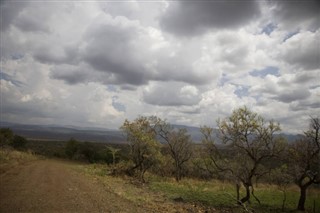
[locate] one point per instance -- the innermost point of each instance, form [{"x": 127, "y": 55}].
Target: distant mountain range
[
  {"x": 91, "y": 134},
  {"x": 53, "y": 132}
]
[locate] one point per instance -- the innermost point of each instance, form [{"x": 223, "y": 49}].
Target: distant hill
[
  {"x": 49, "y": 132},
  {"x": 55, "y": 132}
]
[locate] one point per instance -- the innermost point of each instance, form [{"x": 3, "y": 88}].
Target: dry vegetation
[
  {"x": 165, "y": 194},
  {"x": 161, "y": 170},
  {"x": 10, "y": 158},
  {"x": 162, "y": 194}
]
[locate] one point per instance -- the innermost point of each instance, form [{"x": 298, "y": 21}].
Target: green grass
[
  {"x": 196, "y": 191},
  {"x": 218, "y": 194},
  {"x": 214, "y": 193}
]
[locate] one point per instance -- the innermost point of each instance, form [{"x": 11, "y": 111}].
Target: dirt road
[{"x": 52, "y": 186}]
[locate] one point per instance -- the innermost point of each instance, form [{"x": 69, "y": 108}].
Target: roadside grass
[
  {"x": 163, "y": 194},
  {"x": 123, "y": 186},
  {"x": 209, "y": 193},
  {"x": 10, "y": 158},
  {"x": 8, "y": 155},
  {"x": 220, "y": 194},
  {"x": 128, "y": 188}
]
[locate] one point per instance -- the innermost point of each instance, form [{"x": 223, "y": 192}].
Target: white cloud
[{"x": 87, "y": 63}]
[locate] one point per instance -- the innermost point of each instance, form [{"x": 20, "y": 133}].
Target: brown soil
[
  {"x": 52, "y": 186},
  {"x": 56, "y": 186}
]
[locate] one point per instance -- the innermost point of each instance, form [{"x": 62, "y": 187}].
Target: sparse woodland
[{"x": 249, "y": 151}]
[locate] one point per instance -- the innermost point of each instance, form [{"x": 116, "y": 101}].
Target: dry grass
[{"x": 10, "y": 158}]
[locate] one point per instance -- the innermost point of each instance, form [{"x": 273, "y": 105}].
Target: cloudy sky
[{"x": 95, "y": 64}]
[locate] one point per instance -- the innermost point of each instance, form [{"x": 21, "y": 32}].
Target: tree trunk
[
  {"x": 247, "y": 197},
  {"x": 178, "y": 172},
  {"x": 238, "y": 193},
  {"x": 253, "y": 195},
  {"x": 177, "y": 176},
  {"x": 284, "y": 200},
  {"x": 302, "y": 199}
]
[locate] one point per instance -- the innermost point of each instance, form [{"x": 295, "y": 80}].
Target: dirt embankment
[{"x": 51, "y": 186}]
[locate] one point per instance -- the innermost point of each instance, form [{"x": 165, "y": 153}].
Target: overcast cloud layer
[{"x": 190, "y": 62}]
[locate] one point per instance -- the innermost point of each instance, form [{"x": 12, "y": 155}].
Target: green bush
[
  {"x": 6, "y": 136},
  {"x": 72, "y": 148},
  {"x": 19, "y": 142}
]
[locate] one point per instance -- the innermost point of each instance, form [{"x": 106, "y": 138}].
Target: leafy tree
[
  {"x": 178, "y": 142},
  {"x": 7, "y": 137},
  {"x": 144, "y": 148},
  {"x": 19, "y": 142},
  {"x": 71, "y": 148},
  {"x": 180, "y": 149},
  {"x": 305, "y": 160},
  {"x": 251, "y": 142},
  {"x": 87, "y": 150}
]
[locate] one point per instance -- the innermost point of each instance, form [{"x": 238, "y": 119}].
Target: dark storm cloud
[
  {"x": 30, "y": 109},
  {"x": 48, "y": 54},
  {"x": 303, "y": 105},
  {"x": 111, "y": 48},
  {"x": 292, "y": 13},
  {"x": 179, "y": 68},
  {"x": 189, "y": 18},
  {"x": 306, "y": 77},
  {"x": 308, "y": 60},
  {"x": 123, "y": 50},
  {"x": 293, "y": 95},
  {"x": 303, "y": 54},
  {"x": 31, "y": 23},
  {"x": 9, "y": 11},
  {"x": 69, "y": 74}
]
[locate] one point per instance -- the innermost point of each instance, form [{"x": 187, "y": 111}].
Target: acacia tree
[
  {"x": 179, "y": 143},
  {"x": 305, "y": 160},
  {"x": 144, "y": 148},
  {"x": 71, "y": 148},
  {"x": 251, "y": 142}
]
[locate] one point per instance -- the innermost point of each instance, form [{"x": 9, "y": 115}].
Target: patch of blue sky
[
  {"x": 17, "y": 56},
  {"x": 314, "y": 87},
  {"x": 269, "y": 28},
  {"x": 6, "y": 77},
  {"x": 242, "y": 91},
  {"x": 270, "y": 70},
  {"x": 223, "y": 79},
  {"x": 289, "y": 35},
  {"x": 117, "y": 105},
  {"x": 111, "y": 88}
]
